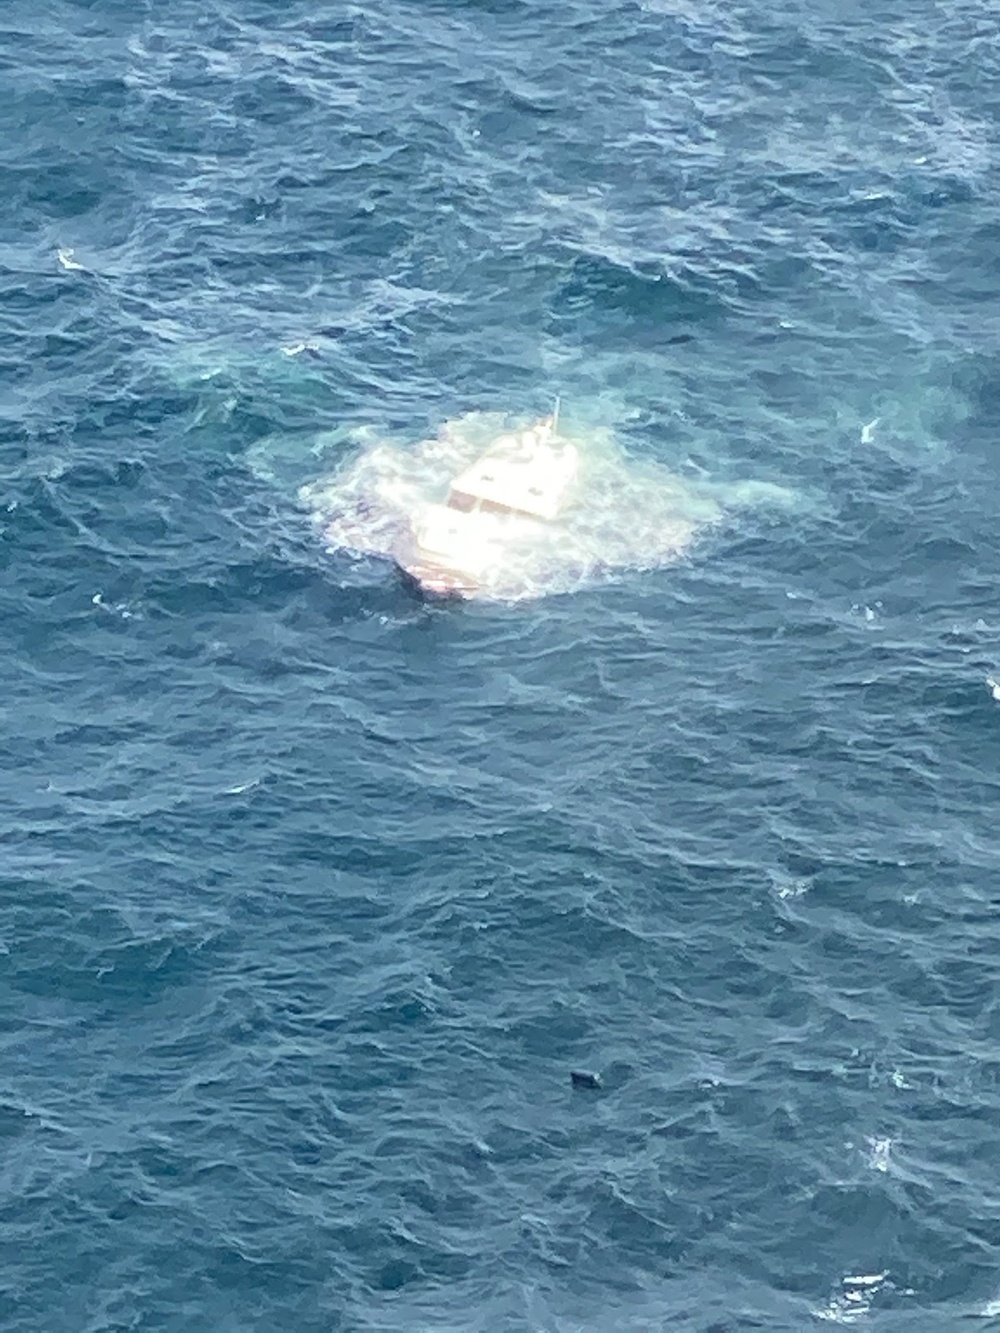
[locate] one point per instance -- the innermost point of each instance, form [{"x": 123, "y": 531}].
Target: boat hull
[{"x": 435, "y": 581}]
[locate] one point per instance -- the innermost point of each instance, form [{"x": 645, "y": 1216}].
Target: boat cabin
[{"x": 522, "y": 473}]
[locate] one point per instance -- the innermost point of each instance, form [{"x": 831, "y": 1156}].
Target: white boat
[{"x": 505, "y": 499}]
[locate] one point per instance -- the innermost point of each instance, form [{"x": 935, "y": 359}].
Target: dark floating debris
[{"x": 581, "y": 1078}]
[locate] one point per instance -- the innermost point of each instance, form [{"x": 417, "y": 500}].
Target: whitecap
[
  {"x": 296, "y": 349},
  {"x": 120, "y": 609},
  {"x": 878, "y": 1158}
]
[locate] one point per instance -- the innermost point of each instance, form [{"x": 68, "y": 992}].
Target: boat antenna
[{"x": 555, "y": 417}]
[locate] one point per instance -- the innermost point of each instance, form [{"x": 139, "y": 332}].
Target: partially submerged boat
[
  {"x": 507, "y": 498},
  {"x": 485, "y": 512}
]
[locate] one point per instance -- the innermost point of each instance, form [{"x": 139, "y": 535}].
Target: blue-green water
[{"x": 313, "y": 893}]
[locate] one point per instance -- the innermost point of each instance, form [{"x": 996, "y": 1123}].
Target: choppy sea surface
[{"x": 313, "y": 893}]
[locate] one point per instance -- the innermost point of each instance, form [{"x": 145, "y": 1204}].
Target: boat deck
[{"x": 519, "y": 474}]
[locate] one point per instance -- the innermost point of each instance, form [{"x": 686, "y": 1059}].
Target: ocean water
[{"x": 315, "y": 893}]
